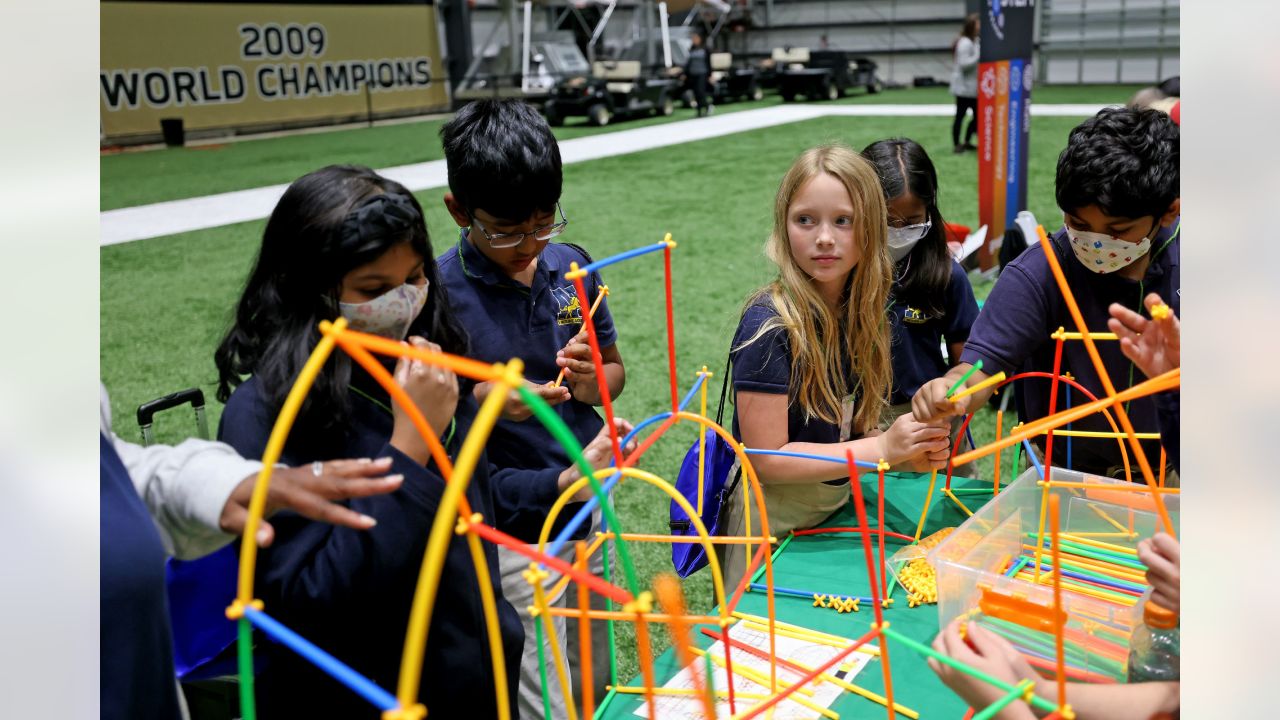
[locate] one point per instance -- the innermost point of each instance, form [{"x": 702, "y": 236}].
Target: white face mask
[
  {"x": 1103, "y": 253},
  {"x": 903, "y": 239},
  {"x": 389, "y": 314}
]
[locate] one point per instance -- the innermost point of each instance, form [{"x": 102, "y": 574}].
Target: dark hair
[
  {"x": 1171, "y": 87},
  {"x": 904, "y": 166},
  {"x": 502, "y": 159},
  {"x": 326, "y": 224},
  {"x": 1124, "y": 160},
  {"x": 972, "y": 26}
]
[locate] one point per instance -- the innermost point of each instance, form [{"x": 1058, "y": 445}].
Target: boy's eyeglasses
[{"x": 499, "y": 241}]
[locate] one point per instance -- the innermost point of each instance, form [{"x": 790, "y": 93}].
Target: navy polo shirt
[
  {"x": 917, "y": 336},
  {"x": 764, "y": 366},
  {"x": 1025, "y": 307},
  {"x": 506, "y": 319}
]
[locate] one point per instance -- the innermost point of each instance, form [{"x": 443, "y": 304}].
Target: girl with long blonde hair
[{"x": 811, "y": 368}]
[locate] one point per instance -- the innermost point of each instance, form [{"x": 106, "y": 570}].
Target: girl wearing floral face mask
[
  {"x": 346, "y": 242},
  {"x": 932, "y": 303}
]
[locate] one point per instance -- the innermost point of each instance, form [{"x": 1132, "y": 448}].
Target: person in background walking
[
  {"x": 964, "y": 83},
  {"x": 696, "y": 70}
]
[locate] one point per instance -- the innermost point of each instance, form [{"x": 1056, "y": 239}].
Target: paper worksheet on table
[{"x": 751, "y": 677}]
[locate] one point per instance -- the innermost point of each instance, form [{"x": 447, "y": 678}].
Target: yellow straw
[
  {"x": 271, "y": 455},
  {"x": 442, "y": 529},
  {"x": 993, "y": 380}
]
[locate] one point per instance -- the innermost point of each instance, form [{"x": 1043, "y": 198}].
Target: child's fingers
[
  {"x": 580, "y": 367},
  {"x": 1167, "y": 546}
]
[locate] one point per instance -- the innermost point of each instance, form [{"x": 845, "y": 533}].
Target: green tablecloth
[{"x": 836, "y": 564}]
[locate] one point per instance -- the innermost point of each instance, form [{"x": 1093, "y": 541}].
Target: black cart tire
[
  {"x": 599, "y": 114},
  {"x": 833, "y": 92},
  {"x": 554, "y": 118},
  {"x": 756, "y": 93},
  {"x": 666, "y": 106},
  {"x": 874, "y": 87},
  {"x": 788, "y": 97}
]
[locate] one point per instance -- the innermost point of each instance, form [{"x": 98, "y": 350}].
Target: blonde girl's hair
[{"x": 859, "y": 330}]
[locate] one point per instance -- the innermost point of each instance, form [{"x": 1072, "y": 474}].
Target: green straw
[
  {"x": 604, "y": 704},
  {"x": 971, "y": 491},
  {"x": 613, "y": 644},
  {"x": 997, "y": 706},
  {"x": 925, "y": 650},
  {"x": 542, "y": 669},
  {"x": 976, "y": 367},
  {"x": 1078, "y": 654},
  {"x": 1093, "y": 553},
  {"x": 565, "y": 436},
  {"x": 244, "y": 658},
  {"x": 781, "y": 546}
]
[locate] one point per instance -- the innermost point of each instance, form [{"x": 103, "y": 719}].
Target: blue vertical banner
[
  {"x": 1015, "y": 179},
  {"x": 1004, "y": 116}
]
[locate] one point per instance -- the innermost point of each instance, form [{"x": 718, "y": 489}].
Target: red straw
[
  {"x": 598, "y": 361},
  {"x": 494, "y": 535},
  {"x": 861, "y": 509},
  {"x": 808, "y": 677}
]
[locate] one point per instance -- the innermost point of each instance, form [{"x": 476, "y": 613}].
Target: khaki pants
[
  {"x": 519, "y": 593},
  {"x": 791, "y": 507},
  {"x": 893, "y": 412}
]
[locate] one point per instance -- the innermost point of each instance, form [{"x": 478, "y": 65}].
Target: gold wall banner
[{"x": 245, "y": 65}]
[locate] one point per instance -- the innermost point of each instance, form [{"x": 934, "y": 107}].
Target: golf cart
[
  {"x": 615, "y": 89},
  {"x": 726, "y": 82},
  {"x": 824, "y": 74}
]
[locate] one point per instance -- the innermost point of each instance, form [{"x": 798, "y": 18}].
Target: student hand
[
  {"x": 515, "y": 410},
  {"x": 1152, "y": 345},
  {"x": 930, "y": 401},
  {"x": 598, "y": 452},
  {"x": 989, "y": 653},
  {"x": 579, "y": 370},
  {"x": 312, "y": 494},
  {"x": 434, "y": 390},
  {"x": 925, "y": 445},
  {"x": 1161, "y": 554}
]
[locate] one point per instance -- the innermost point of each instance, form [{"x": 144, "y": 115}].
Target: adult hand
[
  {"x": 1152, "y": 345},
  {"x": 989, "y": 653},
  {"x": 1162, "y": 556},
  {"x": 598, "y": 453},
  {"x": 923, "y": 445},
  {"x": 312, "y": 493},
  {"x": 434, "y": 390}
]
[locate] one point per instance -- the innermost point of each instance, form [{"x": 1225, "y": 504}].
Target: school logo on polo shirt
[
  {"x": 914, "y": 316},
  {"x": 568, "y": 309}
]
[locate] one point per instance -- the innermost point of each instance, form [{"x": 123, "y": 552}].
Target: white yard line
[{"x": 176, "y": 216}]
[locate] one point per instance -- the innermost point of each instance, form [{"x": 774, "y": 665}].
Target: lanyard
[{"x": 453, "y": 421}]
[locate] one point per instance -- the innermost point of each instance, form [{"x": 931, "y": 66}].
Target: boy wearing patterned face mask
[{"x": 1117, "y": 185}]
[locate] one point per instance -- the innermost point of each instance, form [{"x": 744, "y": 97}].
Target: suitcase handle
[{"x": 148, "y": 410}]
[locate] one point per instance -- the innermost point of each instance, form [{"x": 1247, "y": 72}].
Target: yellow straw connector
[
  {"x": 464, "y": 523},
  {"x": 669, "y": 242},
  {"x": 235, "y": 610},
  {"x": 417, "y": 711}
]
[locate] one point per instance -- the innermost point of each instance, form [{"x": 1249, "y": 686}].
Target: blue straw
[
  {"x": 805, "y": 593},
  {"x": 807, "y": 456},
  {"x": 1016, "y": 567},
  {"x": 1032, "y": 455},
  {"x": 364, "y": 687},
  {"x": 605, "y": 262},
  {"x": 1117, "y": 584}
]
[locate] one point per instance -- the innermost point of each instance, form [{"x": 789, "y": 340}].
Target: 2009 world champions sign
[
  {"x": 1004, "y": 115},
  {"x": 241, "y": 65}
]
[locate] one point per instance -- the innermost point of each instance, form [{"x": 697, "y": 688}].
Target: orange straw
[
  {"x": 672, "y": 600},
  {"x": 1096, "y": 359}
]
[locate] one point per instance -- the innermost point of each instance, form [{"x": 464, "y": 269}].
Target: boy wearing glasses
[{"x": 505, "y": 280}]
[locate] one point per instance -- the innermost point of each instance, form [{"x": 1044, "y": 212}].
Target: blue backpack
[{"x": 717, "y": 486}]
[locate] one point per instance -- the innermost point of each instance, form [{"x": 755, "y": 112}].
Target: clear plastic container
[{"x": 973, "y": 562}]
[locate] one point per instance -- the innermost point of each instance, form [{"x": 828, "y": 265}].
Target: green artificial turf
[
  {"x": 165, "y": 302},
  {"x": 139, "y": 178}
]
